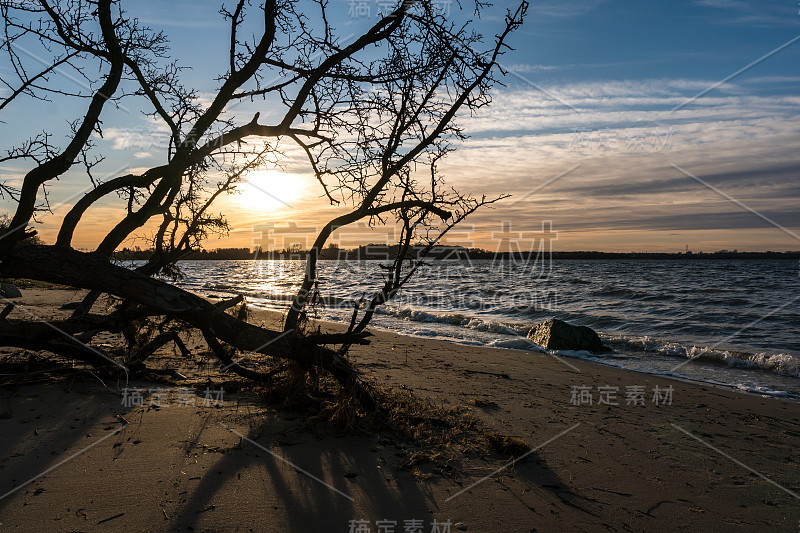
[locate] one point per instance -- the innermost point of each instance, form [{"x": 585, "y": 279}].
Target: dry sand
[{"x": 712, "y": 459}]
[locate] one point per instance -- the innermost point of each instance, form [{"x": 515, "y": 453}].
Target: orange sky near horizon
[{"x": 274, "y": 225}]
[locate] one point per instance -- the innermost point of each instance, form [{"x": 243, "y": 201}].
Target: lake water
[{"x": 737, "y": 320}]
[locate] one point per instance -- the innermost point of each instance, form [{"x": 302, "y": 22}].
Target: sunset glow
[{"x": 269, "y": 190}]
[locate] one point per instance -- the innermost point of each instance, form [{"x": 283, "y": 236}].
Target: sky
[{"x": 621, "y": 126}]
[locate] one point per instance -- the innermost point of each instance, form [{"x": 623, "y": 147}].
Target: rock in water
[
  {"x": 556, "y": 334},
  {"x": 8, "y": 290}
]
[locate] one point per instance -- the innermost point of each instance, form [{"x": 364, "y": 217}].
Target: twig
[
  {"x": 110, "y": 518},
  {"x": 499, "y": 375}
]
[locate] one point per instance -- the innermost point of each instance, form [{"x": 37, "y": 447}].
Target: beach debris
[
  {"x": 502, "y": 375},
  {"x": 8, "y": 290},
  {"x": 507, "y": 445},
  {"x": 110, "y": 518},
  {"x": 484, "y": 404},
  {"x": 556, "y": 334}
]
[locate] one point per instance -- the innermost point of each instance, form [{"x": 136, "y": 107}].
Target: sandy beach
[{"x": 611, "y": 450}]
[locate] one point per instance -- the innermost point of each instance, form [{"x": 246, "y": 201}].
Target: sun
[{"x": 269, "y": 190}]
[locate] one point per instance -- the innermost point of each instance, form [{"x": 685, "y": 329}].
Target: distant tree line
[{"x": 384, "y": 252}]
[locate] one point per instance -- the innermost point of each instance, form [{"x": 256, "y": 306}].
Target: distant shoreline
[{"x": 376, "y": 253}]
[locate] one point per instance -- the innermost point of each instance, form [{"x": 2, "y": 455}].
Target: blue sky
[{"x": 596, "y": 129}]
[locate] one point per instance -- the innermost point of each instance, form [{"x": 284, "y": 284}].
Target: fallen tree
[{"x": 366, "y": 113}]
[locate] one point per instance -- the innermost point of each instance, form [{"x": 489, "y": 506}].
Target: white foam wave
[
  {"x": 519, "y": 343},
  {"x": 456, "y": 319},
  {"x": 780, "y": 363}
]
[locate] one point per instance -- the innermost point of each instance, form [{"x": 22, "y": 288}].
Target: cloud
[
  {"x": 623, "y": 141},
  {"x": 762, "y": 182},
  {"x": 630, "y": 104},
  {"x": 773, "y": 79},
  {"x": 565, "y": 8},
  {"x": 147, "y": 134},
  {"x": 525, "y": 68},
  {"x": 761, "y": 14}
]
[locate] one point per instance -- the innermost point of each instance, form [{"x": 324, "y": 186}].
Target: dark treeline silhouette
[{"x": 384, "y": 252}]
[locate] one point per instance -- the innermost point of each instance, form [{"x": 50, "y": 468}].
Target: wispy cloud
[
  {"x": 634, "y": 104},
  {"x": 763, "y": 14},
  {"x": 526, "y": 68},
  {"x": 565, "y": 8},
  {"x": 773, "y": 79}
]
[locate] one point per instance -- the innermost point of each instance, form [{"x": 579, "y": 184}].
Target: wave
[
  {"x": 782, "y": 364},
  {"x": 519, "y": 343},
  {"x": 456, "y": 319}
]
